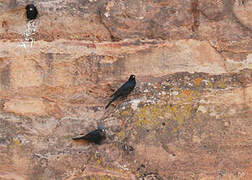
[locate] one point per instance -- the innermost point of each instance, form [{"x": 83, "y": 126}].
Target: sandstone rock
[
  {"x": 68, "y": 64},
  {"x": 188, "y": 117},
  {"x": 157, "y": 19},
  {"x": 25, "y": 106},
  {"x": 175, "y": 57},
  {"x": 244, "y": 13}
]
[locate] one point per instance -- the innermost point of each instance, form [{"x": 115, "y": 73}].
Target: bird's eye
[{"x": 31, "y": 9}]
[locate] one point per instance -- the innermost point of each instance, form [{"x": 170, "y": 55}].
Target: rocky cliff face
[{"x": 188, "y": 118}]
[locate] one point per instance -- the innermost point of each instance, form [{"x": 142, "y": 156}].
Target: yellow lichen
[
  {"x": 121, "y": 134},
  {"x": 96, "y": 158},
  {"x": 197, "y": 81},
  {"x": 156, "y": 111},
  {"x": 124, "y": 113},
  {"x": 75, "y": 36},
  {"x": 15, "y": 143},
  {"x": 92, "y": 178},
  {"x": 105, "y": 178},
  {"x": 148, "y": 115},
  {"x": 142, "y": 122},
  {"x": 98, "y": 161},
  {"x": 221, "y": 84},
  {"x": 210, "y": 84},
  {"x": 98, "y": 178},
  {"x": 188, "y": 92},
  {"x": 153, "y": 116},
  {"x": 186, "y": 96},
  {"x": 181, "y": 112}
]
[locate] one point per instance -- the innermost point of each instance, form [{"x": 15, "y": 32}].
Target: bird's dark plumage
[
  {"x": 31, "y": 12},
  {"x": 95, "y": 136},
  {"x": 124, "y": 90}
]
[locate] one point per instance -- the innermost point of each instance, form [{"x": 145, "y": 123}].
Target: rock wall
[{"x": 188, "y": 118}]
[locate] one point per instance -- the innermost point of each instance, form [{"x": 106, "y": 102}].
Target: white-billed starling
[
  {"x": 124, "y": 90},
  {"x": 31, "y": 12},
  {"x": 96, "y": 136}
]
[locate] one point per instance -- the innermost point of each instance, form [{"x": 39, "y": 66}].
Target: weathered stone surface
[
  {"x": 148, "y": 19},
  {"x": 65, "y": 63},
  {"x": 25, "y": 106},
  {"x": 243, "y": 11},
  {"x": 220, "y": 20},
  {"x": 188, "y": 118},
  {"x": 117, "y": 20}
]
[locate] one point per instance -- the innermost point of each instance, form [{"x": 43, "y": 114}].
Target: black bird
[
  {"x": 31, "y": 12},
  {"x": 96, "y": 136},
  {"x": 124, "y": 90}
]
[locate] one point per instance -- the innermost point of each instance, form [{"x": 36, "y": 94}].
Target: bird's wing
[
  {"x": 88, "y": 135},
  {"x": 78, "y": 137},
  {"x": 91, "y": 135},
  {"x": 95, "y": 136},
  {"x": 126, "y": 86}
]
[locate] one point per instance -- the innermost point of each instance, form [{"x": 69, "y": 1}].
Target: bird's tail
[
  {"x": 108, "y": 104},
  {"x": 114, "y": 98},
  {"x": 78, "y": 138}
]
